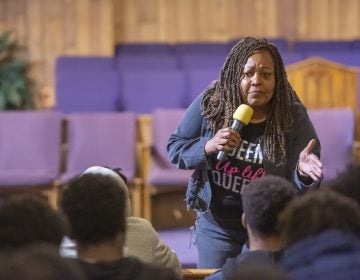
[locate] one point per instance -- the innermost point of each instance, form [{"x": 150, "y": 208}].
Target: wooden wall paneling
[
  {"x": 35, "y": 44},
  {"x": 320, "y": 14},
  {"x": 118, "y": 15},
  {"x": 334, "y": 22},
  {"x": 15, "y": 12},
  {"x": 216, "y": 20},
  {"x": 266, "y": 17},
  {"x": 3, "y": 25},
  {"x": 35, "y": 30},
  {"x": 213, "y": 21},
  {"x": 148, "y": 19},
  {"x": 287, "y": 18},
  {"x": 171, "y": 22},
  {"x": 129, "y": 21},
  {"x": 186, "y": 21},
  {"x": 348, "y": 15},
  {"x": 82, "y": 26},
  {"x": 53, "y": 36},
  {"x": 242, "y": 19},
  {"x": 161, "y": 22},
  {"x": 101, "y": 27},
  {"x": 68, "y": 28}
]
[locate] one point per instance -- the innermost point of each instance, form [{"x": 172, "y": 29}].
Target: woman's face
[{"x": 258, "y": 83}]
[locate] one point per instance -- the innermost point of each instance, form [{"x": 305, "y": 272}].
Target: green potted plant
[{"x": 14, "y": 84}]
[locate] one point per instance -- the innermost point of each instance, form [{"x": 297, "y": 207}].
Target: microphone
[{"x": 241, "y": 117}]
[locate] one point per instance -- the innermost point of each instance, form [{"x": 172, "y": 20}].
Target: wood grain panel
[
  {"x": 47, "y": 29},
  {"x": 323, "y": 84},
  {"x": 219, "y": 20}
]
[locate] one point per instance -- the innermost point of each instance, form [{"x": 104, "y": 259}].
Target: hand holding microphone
[{"x": 241, "y": 117}]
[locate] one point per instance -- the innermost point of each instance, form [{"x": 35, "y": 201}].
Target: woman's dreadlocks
[{"x": 220, "y": 101}]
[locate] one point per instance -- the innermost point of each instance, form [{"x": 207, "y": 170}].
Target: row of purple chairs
[
  {"x": 31, "y": 149},
  {"x": 32, "y": 152},
  {"x": 96, "y": 84}
]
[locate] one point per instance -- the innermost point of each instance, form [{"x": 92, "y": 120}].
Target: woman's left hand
[{"x": 309, "y": 165}]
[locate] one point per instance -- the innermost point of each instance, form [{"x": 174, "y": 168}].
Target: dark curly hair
[
  {"x": 347, "y": 182},
  {"x": 221, "y": 100},
  {"x": 95, "y": 207},
  {"x": 29, "y": 219},
  {"x": 317, "y": 211},
  {"x": 38, "y": 262},
  {"x": 263, "y": 200}
]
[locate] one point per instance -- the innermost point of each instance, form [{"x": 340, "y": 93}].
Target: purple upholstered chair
[
  {"x": 146, "y": 62},
  {"x": 311, "y": 46},
  {"x": 292, "y": 57},
  {"x": 209, "y": 48},
  {"x": 335, "y": 129},
  {"x": 201, "y": 61},
  {"x": 86, "y": 84},
  {"x": 30, "y": 143},
  {"x": 163, "y": 173},
  {"x": 281, "y": 43},
  {"x": 106, "y": 139},
  {"x": 198, "y": 80},
  {"x": 355, "y": 45},
  {"x": 163, "y": 176},
  {"x": 144, "y": 91}
]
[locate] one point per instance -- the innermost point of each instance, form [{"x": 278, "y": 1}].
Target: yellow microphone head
[{"x": 243, "y": 113}]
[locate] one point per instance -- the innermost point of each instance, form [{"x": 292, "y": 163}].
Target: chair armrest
[
  {"x": 144, "y": 129},
  {"x": 143, "y": 154}
]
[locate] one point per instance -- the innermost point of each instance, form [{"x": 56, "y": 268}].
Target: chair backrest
[
  {"x": 281, "y": 43},
  {"x": 86, "y": 84},
  {"x": 198, "y": 80},
  {"x": 30, "y": 143},
  {"x": 100, "y": 139},
  {"x": 164, "y": 124},
  {"x": 322, "y": 83},
  {"x": 209, "y": 48},
  {"x": 308, "y": 46},
  {"x": 144, "y": 91},
  {"x": 147, "y": 62},
  {"x": 355, "y": 45},
  {"x": 292, "y": 57},
  {"x": 201, "y": 61},
  {"x": 163, "y": 173},
  {"x": 335, "y": 129}
]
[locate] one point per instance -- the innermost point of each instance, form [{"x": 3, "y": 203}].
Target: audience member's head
[
  {"x": 263, "y": 200},
  {"x": 348, "y": 182},
  {"x": 116, "y": 174},
  {"x": 29, "y": 219},
  {"x": 94, "y": 206},
  {"x": 318, "y": 211},
  {"x": 38, "y": 262}
]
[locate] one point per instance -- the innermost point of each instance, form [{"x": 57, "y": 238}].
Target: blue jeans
[{"x": 215, "y": 244}]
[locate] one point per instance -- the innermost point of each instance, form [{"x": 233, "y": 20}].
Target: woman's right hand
[{"x": 225, "y": 139}]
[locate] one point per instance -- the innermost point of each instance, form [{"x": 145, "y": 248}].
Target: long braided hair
[{"x": 220, "y": 101}]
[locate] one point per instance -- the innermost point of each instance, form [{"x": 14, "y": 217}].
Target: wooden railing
[{"x": 196, "y": 274}]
